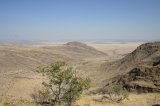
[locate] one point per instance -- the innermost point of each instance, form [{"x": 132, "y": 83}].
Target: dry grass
[
  {"x": 17, "y": 63},
  {"x": 133, "y": 100}
]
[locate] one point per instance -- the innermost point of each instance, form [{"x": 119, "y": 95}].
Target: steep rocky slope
[
  {"x": 139, "y": 70},
  {"x": 140, "y": 79}
]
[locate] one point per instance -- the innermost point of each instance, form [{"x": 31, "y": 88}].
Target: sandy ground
[{"x": 116, "y": 50}]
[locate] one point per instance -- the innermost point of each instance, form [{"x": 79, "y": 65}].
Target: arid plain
[{"x": 18, "y": 63}]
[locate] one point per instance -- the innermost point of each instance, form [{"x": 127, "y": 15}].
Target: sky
[{"x": 51, "y": 20}]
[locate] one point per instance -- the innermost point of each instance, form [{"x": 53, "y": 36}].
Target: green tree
[
  {"x": 63, "y": 85},
  {"x": 74, "y": 90}
]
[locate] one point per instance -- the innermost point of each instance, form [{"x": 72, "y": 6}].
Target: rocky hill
[
  {"x": 140, "y": 70},
  {"x": 148, "y": 52}
]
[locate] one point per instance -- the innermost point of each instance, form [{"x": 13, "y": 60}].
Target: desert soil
[{"x": 22, "y": 83}]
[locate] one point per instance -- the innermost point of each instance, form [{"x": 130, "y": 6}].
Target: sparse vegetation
[
  {"x": 116, "y": 93},
  {"x": 63, "y": 87},
  {"x": 155, "y": 101},
  {"x": 18, "y": 80},
  {"x": 7, "y": 101}
]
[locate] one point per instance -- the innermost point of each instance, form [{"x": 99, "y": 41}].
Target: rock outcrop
[{"x": 139, "y": 70}]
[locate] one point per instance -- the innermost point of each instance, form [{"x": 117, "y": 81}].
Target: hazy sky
[{"x": 79, "y": 20}]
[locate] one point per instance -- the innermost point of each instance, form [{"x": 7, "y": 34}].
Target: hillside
[
  {"x": 83, "y": 48},
  {"x": 18, "y": 63},
  {"x": 17, "y": 57},
  {"x": 139, "y": 70},
  {"x": 148, "y": 52}
]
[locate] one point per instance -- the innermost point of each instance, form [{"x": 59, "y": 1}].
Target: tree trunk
[
  {"x": 59, "y": 93},
  {"x": 70, "y": 99}
]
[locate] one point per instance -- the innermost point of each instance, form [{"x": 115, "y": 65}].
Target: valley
[{"x": 105, "y": 64}]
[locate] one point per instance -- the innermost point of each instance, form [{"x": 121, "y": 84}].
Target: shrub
[
  {"x": 63, "y": 85},
  {"x": 117, "y": 93}
]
